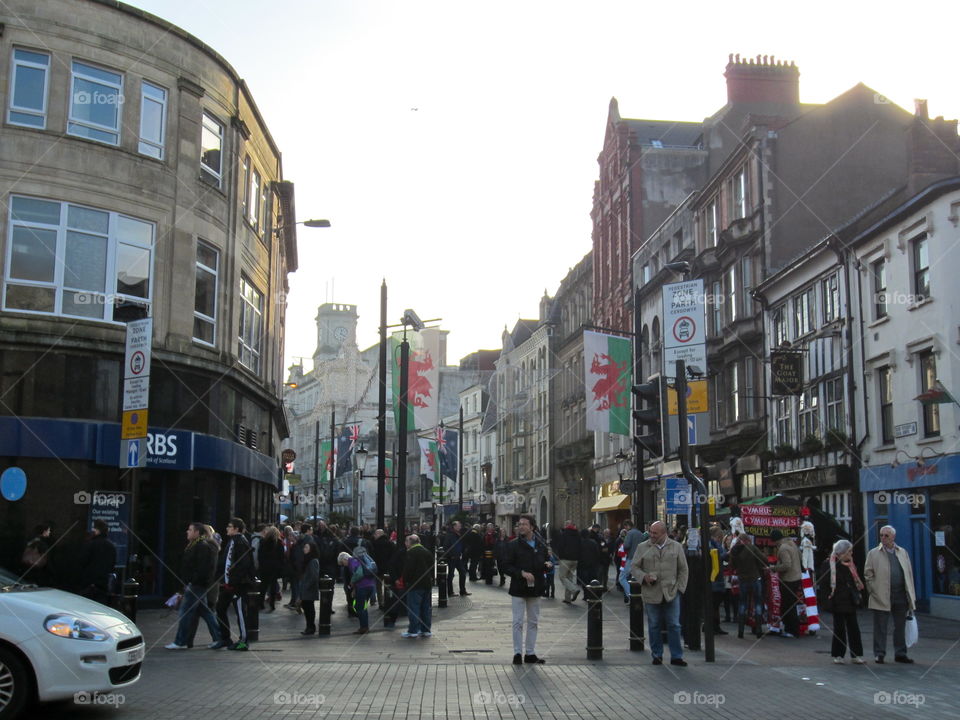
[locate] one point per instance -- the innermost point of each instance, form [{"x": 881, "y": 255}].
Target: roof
[{"x": 668, "y": 133}]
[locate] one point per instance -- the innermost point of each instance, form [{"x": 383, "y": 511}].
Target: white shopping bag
[{"x": 912, "y": 632}]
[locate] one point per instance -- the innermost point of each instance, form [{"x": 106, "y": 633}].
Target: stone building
[{"x": 136, "y": 188}]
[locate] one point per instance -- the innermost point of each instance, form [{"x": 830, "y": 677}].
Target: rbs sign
[{"x": 170, "y": 450}]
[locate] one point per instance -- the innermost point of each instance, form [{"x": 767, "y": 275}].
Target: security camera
[
  {"x": 413, "y": 320},
  {"x": 694, "y": 371}
]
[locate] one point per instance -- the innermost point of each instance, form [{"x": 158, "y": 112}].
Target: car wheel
[{"x": 14, "y": 684}]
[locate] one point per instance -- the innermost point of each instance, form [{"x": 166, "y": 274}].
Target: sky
[{"x": 453, "y": 144}]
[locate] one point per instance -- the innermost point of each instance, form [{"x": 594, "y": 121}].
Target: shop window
[{"x": 945, "y": 522}]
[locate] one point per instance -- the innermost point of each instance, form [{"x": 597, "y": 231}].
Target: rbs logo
[{"x": 162, "y": 445}]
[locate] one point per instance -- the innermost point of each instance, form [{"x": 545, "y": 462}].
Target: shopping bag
[
  {"x": 173, "y": 602},
  {"x": 911, "y": 631}
]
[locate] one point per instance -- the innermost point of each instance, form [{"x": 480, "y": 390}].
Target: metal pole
[
  {"x": 637, "y": 510},
  {"x": 695, "y": 482},
  {"x": 402, "y": 439},
  {"x": 333, "y": 450},
  {"x": 460, "y": 444},
  {"x": 382, "y": 412},
  {"x": 316, "y": 468}
]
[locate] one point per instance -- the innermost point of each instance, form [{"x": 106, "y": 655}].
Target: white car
[{"x": 55, "y": 645}]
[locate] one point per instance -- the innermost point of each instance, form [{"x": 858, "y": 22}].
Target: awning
[{"x": 612, "y": 502}]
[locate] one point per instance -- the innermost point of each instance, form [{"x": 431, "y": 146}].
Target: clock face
[{"x": 340, "y": 333}]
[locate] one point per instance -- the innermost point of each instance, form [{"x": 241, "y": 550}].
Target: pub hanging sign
[{"x": 786, "y": 368}]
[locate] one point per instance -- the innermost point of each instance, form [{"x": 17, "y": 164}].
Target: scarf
[{"x": 851, "y": 566}]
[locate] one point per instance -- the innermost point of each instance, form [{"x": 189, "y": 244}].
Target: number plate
[{"x": 135, "y": 655}]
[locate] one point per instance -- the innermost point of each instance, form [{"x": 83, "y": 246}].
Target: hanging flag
[
  {"x": 448, "y": 446},
  {"x": 608, "y": 374},
  {"x": 429, "y": 462},
  {"x": 347, "y": 442},
  {"x": 326, "y": 460},
  {"x": 936, "y": 395},
  {"x": 423, "y": 378}
]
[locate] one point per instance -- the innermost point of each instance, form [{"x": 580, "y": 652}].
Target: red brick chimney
[{"x": 762, "y": 80}]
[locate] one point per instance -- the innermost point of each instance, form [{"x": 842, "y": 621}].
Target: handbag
[
  {"x": 33, "y": 558},
  {"x": 911, "y": 631}
]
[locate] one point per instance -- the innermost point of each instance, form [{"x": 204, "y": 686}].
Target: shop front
[{"x": 921, "y": 500}]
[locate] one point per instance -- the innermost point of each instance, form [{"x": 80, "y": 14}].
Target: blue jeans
[
  {"x": 658, "y": 615},
  {"x": 623, "y": 579},
  {"x": 419, "y": 610},
  {"x": 195, "y": 601},
  {"x": 361, "y": 597},
  {"x": 756, "y": 587}
]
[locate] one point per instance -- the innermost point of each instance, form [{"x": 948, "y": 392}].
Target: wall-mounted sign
[
  {"x": 786, "y": 369},
  {"x": 904, "y": 430}
]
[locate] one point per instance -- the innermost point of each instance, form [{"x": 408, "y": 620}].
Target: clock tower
[{"x": 336, "y": 327}]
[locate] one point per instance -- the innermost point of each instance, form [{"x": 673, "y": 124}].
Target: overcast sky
[{"x": 453, "y": 144}]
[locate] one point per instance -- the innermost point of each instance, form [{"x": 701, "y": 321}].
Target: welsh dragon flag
[
  {"x": 608, "y": 375},
  {"x": 430, "y": 462},
  {"x": 423, "y": 379}
]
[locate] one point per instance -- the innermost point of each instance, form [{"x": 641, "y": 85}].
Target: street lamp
[
  {"x": 308, "y": 223},
  {"x": 623, "y": 463}
]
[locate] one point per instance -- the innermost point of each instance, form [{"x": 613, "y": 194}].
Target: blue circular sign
[{"x": 13, "y": 484}]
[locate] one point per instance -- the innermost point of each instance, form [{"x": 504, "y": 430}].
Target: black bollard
[
  {"x": 442, "y": 584},
  {"x": 440, "y": 553},
  {"x": 128, "y": 601},
  {"x": 636, "y": 616},
  {"x": 594, "y": 594},
  {"x": 691, "y": 605},
  {"x": 488, "y": 567},
  {"x": 253, "y": 612},
  {"x": 388, "y": 601},
  {"x": 326, "y": 605}
]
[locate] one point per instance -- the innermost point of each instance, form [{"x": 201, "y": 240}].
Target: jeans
[
  {"x": 880, "y": 621},
  {"x": 755, "y": 588},
  {"x": 194, "y": 602},
  {"x": 658, "y": 615},
  {"x": 362, "y": 597},
  {"x": 623, "y": 579},
  {"x": 419, "y": 610},
  {"x": 531, "y": 607},
  {"x": 458, "y": 564}
]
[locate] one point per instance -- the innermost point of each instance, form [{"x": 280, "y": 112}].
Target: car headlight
[{"x": 70, "y": 626}]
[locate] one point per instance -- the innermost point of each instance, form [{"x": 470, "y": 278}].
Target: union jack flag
[{"x": 441, "y": 439}]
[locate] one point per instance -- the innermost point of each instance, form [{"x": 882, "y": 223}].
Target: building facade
[{"x": 153, "y": 189}]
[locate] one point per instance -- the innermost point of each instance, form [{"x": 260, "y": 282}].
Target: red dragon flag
[
  {"x": 608, "y": 373},
  {"x": 423, "y": 380}
]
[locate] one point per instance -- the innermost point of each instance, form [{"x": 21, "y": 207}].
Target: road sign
[
  {"x": 137, "y": 355},
  {"x": 136, "y": 393},
  {"x": 696, "y": 398},
  {"x": 692, "y": 429},
  {"x": 133, "y": 453},
  {"x": 134, "y": 425},
  {"x": 684, "y": 314},
  {"x": 695, "y": 356}
]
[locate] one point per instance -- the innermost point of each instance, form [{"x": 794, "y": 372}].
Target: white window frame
[
  {"x": 746, "y": 276},
  {"x": 245, "y": 203},
  {"x": 740, "y": 194},
  {"x": 838, "y": 504},
  {"x": 804, "y": 307},
  {"x": 162, "y": 102},
  {"x": 246, "y": 305},
  {"x": 751, "y": 485},
  {"x": 780, "y": 326},
  {"x": 16, "y": 63},
  {"x": 118, "y": 86},
  {"x": 784, "y": 412},
  {"x": 731, "y": 277},
  {"x": 808, "y": 414},
  {"x": 833, "y": 404},
  {"x": 216, "y": 292},
  {"x": 878, "y": 289},
  {"x": 253, "y": 208},
  {"x": 830, "y": 293},
  {"x": 712, "y": 223},
  {"x": 916, "y": 270},
  {"x": 733, "y": 394},
  {"x": 209, "y": 122},
  {"x": 109, "y": 297}
]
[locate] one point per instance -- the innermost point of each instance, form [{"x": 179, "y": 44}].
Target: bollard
[
  {"x": 488, "y": 567},
  {"x": 440, "y": 553},
  {"x": 636, "y": 616},
  {"x": 388, "y": 601},
  {"x": 326, "y": 605},
  {"x": 594, "y": 594},
  {"x": 253, "y": 612},
  {"x": 442, "y": 584},
  {"x": 128, "y": 601}
]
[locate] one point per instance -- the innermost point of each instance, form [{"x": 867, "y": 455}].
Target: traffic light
[{"x": 650, "y": 419}]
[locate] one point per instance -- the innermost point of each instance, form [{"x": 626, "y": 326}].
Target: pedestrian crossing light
[{"x": 650, "y": 408}]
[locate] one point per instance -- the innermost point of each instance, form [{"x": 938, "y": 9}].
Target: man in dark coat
[
  {"x": 381, "y": 553},
  {"x": 97, "y": 560},
  {"x": 418, "y": 584},
  {"x": 588, "y": 568},
  {"x": 525, "y": 562},
  {"x": 453, "y": 552},
  {"x": 473, "y": 551},
  {"x": 235, "y": 570}
]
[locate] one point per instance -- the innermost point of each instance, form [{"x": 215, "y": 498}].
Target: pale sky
[{"x": 453, "y": 144}]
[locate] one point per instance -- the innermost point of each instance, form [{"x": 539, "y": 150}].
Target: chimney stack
[
  {"x": 920, "y": 109},
  {"x": 762, "y": 80}
]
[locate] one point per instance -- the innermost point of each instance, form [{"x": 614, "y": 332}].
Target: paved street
[{"x": 464, "y": 671}]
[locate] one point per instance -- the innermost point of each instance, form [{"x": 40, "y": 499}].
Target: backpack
[{"x": 366, "y": 562}]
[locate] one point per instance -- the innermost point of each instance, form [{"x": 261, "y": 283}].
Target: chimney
[
  {"x": 933, "y": 149},
  {"x": 762, "y": 80},
  {"x": 920, "y": 109}
]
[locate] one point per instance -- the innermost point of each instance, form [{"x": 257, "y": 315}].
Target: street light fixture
[
  {"x": 623, "y": 463},
  {"x": 308, "y": 223}
]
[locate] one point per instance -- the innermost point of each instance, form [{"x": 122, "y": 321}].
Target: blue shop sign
[
  {"x": 166, "y": 449},
  {"x": 942, "y": 470},
  {"x": 13, "y": 484}
]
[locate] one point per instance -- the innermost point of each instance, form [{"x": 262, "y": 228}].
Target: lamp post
[
  {"x": 306, "y": 223},
  {"x": 363, "y": 457}
]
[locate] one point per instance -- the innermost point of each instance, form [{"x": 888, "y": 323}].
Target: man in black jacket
[
  {"x": 235, "y": 570},
  {"x": 525, "y": 561},
  {"x": 453, "y": 552},
  {"x": 198, "y": 572},
  {"x": 381, "y": 553},
  {"x": 97, "y": 559},
  {"x": 568, "y": 550},
  {"x": 473, "y": 551}
]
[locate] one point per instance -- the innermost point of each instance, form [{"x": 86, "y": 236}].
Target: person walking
[
  {"x": 270, "y": 564},
  {"x": 453, "y": 543},
  {"x": 235, "y": 569},
  {"x": 889, "y": 579},
  {"x": 97, "y": 560},
  {"x": 382, "y": 554},
  {"x": 631, "y": 541},
  {"x": 568, "y": 551},
  {"x": 588, "y": 568},
  {"x": 718, "y": 590},
  {"x": 310, "y": 587},
  {"x": 36, "y": 556},
  {"x": 418, "y": 585},
  {"x": 845, "y": 598},
  {"x": 198, "y": 571},
  {"x": 361, "y": 583},
  {"x": 661, "y": 565},
  {"x": 473, "y": 551},
  {"x": 525, "y": 561},
  {"x": 749, "y": 565},
  {"x": 788, "y": 569}
]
